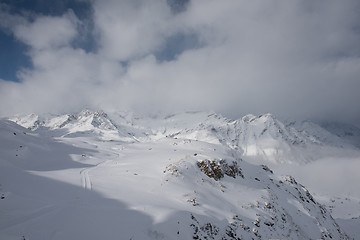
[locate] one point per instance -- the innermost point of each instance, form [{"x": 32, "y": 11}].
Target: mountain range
[{"x": 192, "y": 175}]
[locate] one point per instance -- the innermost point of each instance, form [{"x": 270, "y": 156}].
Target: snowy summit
[{"x": 194, "y": 175}]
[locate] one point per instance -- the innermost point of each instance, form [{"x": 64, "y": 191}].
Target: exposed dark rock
[{"x": 217, "y": 169}]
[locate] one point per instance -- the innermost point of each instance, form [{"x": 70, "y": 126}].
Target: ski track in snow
[
  {"x": 148, "y": 174},
  {"x": 85, "y": 178}
]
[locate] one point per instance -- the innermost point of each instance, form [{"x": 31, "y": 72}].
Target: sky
[{"x": 297, "y": 58}]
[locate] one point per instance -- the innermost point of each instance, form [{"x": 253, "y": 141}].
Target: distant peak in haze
[{"x": 262, "y": 136}]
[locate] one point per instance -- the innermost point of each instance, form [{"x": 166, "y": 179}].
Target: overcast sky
[{"x": 294, "y": 58}]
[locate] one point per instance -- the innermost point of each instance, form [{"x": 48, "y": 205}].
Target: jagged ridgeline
[
  {"x": 263, "y": 136},
  {"x": 96, "y": 175}
]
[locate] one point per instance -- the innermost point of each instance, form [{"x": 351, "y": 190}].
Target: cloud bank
[{"x": 291, "y": 58}]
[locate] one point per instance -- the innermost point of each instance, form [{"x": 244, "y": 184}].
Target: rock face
[
  {"x": 284, "y": 209},
  {"x": 217, "y": 169},
  {"x": 187, "y": 176}
]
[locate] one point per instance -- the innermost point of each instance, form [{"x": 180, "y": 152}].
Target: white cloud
[
  {"x": 293, "y": 58},
  {"x": 7, "y": 20},
  {"x": 129, "y": 29},
  {"x": 48, "y": 32}
]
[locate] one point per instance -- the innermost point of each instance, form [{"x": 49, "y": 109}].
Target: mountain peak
[
  {"x": 88, "y": 112},
  {"x": 248, "y": 118},
  {"x": 161, "y": 186},
  {"x": 267, "y": 116},
  {"x": 263, "y": 136},
  {"x": 263, "y": 117}
]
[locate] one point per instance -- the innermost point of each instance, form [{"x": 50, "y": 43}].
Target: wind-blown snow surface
[{"x": 185, "y": 176}]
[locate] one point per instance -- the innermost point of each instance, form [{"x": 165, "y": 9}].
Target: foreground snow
[{"x": 185, "y": 176}]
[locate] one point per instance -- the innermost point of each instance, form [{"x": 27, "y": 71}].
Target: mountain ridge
[
  {"x": 261, "y": 136},
  {"x": 157, "y": 188}
]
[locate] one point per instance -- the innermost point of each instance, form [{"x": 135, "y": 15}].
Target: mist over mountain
[
  {"x": 190, "y": 175},
  {"x": 292, "y": 59},
  {"x": 179, "y": 119}
]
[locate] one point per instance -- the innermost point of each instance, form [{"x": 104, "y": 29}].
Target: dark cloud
[
  {"x": 52, "y": 8},
  {"x": 176, "y": 44},
  {"x": 178, "y": 6},
  {"x": 293, "y": 58}
]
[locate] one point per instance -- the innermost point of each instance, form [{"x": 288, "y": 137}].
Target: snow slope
[
  {"x": 186, "y": 176},
  {"x": 258, "y": 137},
  {"x": 345, "y": 131}
]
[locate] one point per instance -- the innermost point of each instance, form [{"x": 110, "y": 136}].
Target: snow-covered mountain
[
  {"x": 261, "y": 136},
  {"x": 192, "y": 175},
  {"x": 347, "y": 132},
  {"x": 85, "y": 122}
]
